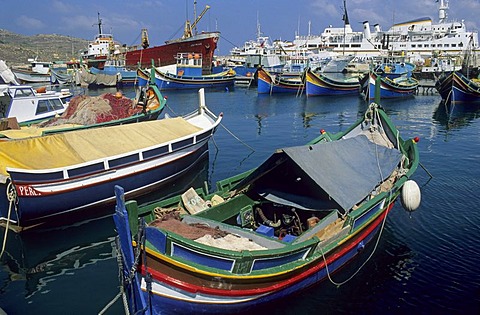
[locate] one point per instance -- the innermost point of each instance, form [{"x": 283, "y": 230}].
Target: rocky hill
[{"x": 16, "y": 49}]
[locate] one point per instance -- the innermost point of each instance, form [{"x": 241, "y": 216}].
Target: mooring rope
[
  {"x": 121, "y": 293},
  {"x": 111, "y": 303},
  {"x": 11, "y": 197},
  {"x": 338, "y": 284},
  {"x": 242, "y": 142},
  {"x": 231, "y": 133},
  {"x": 375, "y": 117}
]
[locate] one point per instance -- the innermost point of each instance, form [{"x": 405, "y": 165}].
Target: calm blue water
[{"x": 426, "y": 262}]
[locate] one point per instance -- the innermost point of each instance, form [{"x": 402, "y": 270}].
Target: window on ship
[{"x": 42, "y": 107}]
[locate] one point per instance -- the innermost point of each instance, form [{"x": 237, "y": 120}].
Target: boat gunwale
[{"x": 192, "y": 115}]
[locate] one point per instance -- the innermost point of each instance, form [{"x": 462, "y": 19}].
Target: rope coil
[{"x": 12, "y": 200}]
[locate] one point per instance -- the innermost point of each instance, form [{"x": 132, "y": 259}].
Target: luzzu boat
[
  {"x": 187, "y": 74},
  {"x": 278, "y": 83},
  {"x": 455, "y": 87},
  {"x": 270, "y": 232},
  {"x": 402, "y": 86},
  {"x": 321, "y": 84}
]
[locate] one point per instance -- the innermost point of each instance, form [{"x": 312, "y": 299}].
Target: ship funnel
[
  {"x": 366, "y": 30},
  {"x": 377, "y": 28}
]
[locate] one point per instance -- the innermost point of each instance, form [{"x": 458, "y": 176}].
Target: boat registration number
[{"x": 25, "y": 191}]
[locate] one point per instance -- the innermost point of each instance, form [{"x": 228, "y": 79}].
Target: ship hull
[{"x": 204, "y": 43}]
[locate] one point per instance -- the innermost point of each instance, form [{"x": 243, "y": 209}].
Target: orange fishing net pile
[{"x": 88, "y": 110}]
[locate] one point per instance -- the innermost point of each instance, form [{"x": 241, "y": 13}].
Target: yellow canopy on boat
[
  {"x": 32, "y": 131},
  {"x": 74, "y": 147}
]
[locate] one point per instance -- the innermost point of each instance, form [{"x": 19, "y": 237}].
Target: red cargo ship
[{"x": 203, "y": 43}]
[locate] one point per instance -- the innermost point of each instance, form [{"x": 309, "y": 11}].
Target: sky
[{"x": 235, "y": 19}]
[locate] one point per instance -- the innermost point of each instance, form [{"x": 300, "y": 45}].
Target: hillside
[{"x": 16, "y": 49}]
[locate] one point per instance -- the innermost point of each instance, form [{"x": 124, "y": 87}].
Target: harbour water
[{"x": 424, "y": 262}]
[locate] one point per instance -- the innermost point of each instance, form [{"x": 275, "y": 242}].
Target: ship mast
[
  {"x": 443, "y": 11},
  {"x": 195, "y": 15},
  {"x": 189, "y": 28},
  {"x": 345, "y": 23},
  {"x": 99, "y": 24}
]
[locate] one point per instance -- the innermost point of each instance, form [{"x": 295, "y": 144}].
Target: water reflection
[
  {"x": 455, "y": 116},
  {"x": 45, "y": 263},
  {"x": 197, "y": 176},
  {"x": 41, "y": 258},
  {"x": 391, "y": 259}
]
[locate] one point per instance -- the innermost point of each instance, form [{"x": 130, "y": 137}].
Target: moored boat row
[{"x": 260, "y": 236}]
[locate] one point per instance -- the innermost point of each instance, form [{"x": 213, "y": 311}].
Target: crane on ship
[
  {"x": 188, "y": 32},
  {"x": 145, "y": 41}
]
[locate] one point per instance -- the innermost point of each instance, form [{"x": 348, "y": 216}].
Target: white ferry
[{"x": 419, "y": 37}]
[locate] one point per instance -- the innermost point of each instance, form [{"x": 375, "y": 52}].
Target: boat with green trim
[
  {"x": 270, "y": 232},
  {"x": 47, "y": 116}
]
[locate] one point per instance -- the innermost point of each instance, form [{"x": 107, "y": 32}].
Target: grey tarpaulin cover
[{"x": 346, "y": 170}]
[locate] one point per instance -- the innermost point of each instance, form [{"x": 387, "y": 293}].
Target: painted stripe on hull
[
  {"x": 165, "y": 83},
  {"x": 265, "y": 87},
  {"x": 208, "y": 301},
  {"x": 266, "y": 83},
  {"x": 65, "y": 199},
  {"x": 316, "y": 90},
  {"x": 388, "y": 91},
  {"x": 316, "y": 86}
]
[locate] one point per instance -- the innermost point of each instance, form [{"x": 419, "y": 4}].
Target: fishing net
[{"x": 88, "y": 110}]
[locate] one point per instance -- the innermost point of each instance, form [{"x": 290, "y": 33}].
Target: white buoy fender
[{"x": 411, "y": 195}]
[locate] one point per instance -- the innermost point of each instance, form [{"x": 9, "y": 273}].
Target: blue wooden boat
[
  {"x": 402, "y": 86},
  {"x": 394, "y": 69},
  {"x": 269, "y": 83},
  {"x": 321, "y": 84},
  {"x": 188, "y": 75},
  {"x": 271, "y": 232},
  {"x": 457, "y": 88},
  {"x": 169, "y": 81},
  {"x": 44, "y": 179}
]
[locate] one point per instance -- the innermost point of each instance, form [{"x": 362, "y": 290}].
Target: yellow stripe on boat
[{"x": 213, "y": 274}]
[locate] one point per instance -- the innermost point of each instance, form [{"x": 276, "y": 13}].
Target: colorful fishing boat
[
  {"x": 271, "y": 232},
  {"x": 170, "y": 81},
  {"x": 84, "y": 112},
  {"x": 45, "y": 179},
  {"x": 187, "y": 74},
  {"x": 457, "y": 88},
  {"x": 402, "y": 86},
  {"x": 323, "y": 84},
  {"x": 395, "y": 68},
  {"x": 124, "y": 76},
  {"x": 277, "y": 83}
]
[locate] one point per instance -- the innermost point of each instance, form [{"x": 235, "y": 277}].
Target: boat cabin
[
  {"x": 27, "y": 105},
  {"x": 189, "y": 64},
  {"x": 42, "y": 67}
]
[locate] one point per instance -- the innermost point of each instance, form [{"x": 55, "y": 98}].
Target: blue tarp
[{"x": 343, "y": 171}]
